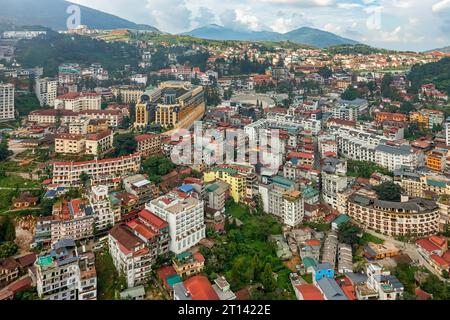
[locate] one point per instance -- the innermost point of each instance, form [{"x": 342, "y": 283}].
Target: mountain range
[
  {"x": 52, "y": 14},
  {"x": 304, "y": 35}
]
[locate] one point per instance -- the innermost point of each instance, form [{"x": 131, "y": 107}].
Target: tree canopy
[{"x": 389, "y": 191}]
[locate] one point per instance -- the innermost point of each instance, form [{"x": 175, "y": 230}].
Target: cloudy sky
[{"x": 394, "y": 24}]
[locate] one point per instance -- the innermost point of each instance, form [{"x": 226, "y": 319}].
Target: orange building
[
  {"x": 435, "y": 160},
  {"x": 388, "y": 116}
]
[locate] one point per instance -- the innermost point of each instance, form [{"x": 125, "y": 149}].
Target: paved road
[{"x": 410, "y": 250}]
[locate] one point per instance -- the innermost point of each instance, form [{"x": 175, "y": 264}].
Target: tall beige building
[
  {"x": 46, "y": 91},
  {"x": 6, "y": 101}
]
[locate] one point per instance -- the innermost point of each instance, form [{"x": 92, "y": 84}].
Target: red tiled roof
[
  {"x": 74, "y": 95},
  {"x": 446, "y": 256},
  {"x": 422, "y": 295},
  {"x": 144, "y": 137},
  {"x": 164, "y": 273},
  {"x": 427, "y": 245},
  {"x": 313, "y": 242},
  {"x": 439, "y": 261},
  {"x": 200, "y": 288},
  {"x": 154, "y": 220},
  {"x": 26, "y": 260},
  {"x": 439, "y": 241},
  {"x": 141, "y": 229},
  {"x": 20, "y": 285},
  {"x": 199, "y": 257},
  {"x": 125, "y": 238},
  {"x": 309, "y": 292}
]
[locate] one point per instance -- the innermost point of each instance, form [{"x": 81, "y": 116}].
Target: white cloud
[{"x": 441, "y": 5}]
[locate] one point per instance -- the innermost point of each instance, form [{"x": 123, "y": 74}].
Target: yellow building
[
  {"x": 231, "y": 176},
  {"x": 420, "y": 118},
  {"x": 142, "y": 116}
]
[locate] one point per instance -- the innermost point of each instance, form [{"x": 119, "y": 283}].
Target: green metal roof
[
  {"x": 227, "y": 170},
  {"x": 436, "y": 183},
  {"x": 212, "y": 187},
  {"x": 341, "y": 219},
  {"x": 309, "y": 192},
  {"x": 173, "y": 280},
  {"x": 309, "y": 262},
  {"x": 282, "y": 181},
  {"x": 183, "y": 255},
  {"x": 45, "y": 261}
]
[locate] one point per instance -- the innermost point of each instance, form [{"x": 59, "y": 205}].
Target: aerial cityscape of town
[{"x": 137, "y": 164}]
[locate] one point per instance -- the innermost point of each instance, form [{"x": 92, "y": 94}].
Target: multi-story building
[
  {"x": 101, "y": 207},
  {"x": 148, "y": 144},
  {"x": 69, "y": 143},
  {"x": 447, "y": 132},
  {"x": 6, "y": 101},
  {"x": 130, "y": 255},
  {"x": 66, "y": 273},
  {"x": 52, "y": 116},
  {"x": 68, "y": 173},
  {"x": 396, "y": 157},
  {"x": 98, "y": 143},
  {"x": 127, "y": 94},
  {"x": 46, "y": 90},
  {"x": 73, "y": 220},
  {"x": 78, "y": 102},
  {"x": 242, "y": 180},
  {"x": 114, "y": 117},
  {"x": 334, "y": 180},
  {"x": 381, "y": 281},
  {"x": 139, "y": 186},
  {"x": 416, "y": 217},
  {"x": 282, "y": 200},
  {"x": 185, "y": 215},
  {"x": 436, "y": 159},
  {"x": 187, "y": 264},
  {"x": 93, "y": 143},
  {"x": 216, "y": 195},
  {"x": 179, "y": 105}
]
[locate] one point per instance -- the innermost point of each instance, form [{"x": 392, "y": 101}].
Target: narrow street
[{"x": 410, "y": 250}]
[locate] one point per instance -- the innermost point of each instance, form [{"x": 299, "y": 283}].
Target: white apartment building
[
  {"x": 68, "y": 173},
  {"x": 447, "y": 132},
  {"x": 283, "y": 202},
  {"x": 381, "y": 281},
  {"x": 101, "y": 206},
  {"x": 46, "y": 91},
  {"x": 396, "y": 157},
  {"x": 185, "y": 217},
  {"x": 66, "y": 273},
  {"x": 78, "y": 102},
  {"x": 6, "y": 101},
  {"x": 73, "y": 220},
  {"x": 130, "y": 255},
  {"x": 293, "y": 208},
  {"x": 334, "y": 180}
]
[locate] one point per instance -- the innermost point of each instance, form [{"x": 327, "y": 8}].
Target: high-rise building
[
  {"x": 185, "y": 216},
  {"x": 6, "y": 101},
  {"x": 46, "y": 91},
  {"x": 66, "y": 273}
]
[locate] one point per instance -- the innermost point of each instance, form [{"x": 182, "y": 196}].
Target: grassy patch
[
  {"x": 18, "y": 182},
  {"x": 108, "y": 281},
  {"x": 367, "y": 237},
  {"x": 321, "y": 227}
]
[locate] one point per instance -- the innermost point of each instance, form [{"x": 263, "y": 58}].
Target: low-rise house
[
  {"x": 223, "y": 290},
  {"x": 323, "y": 270},
  {"x": 195, "y": 288},
  {"x": 25, "y": 200},
  {"x": 136, "y": 293},
  {"x": 345, "y": 258},
  {"x": 186, "y": 263},
  {"x": 9, "y": 271},
  {"x": 386, "y": 285},
  {"x": 307, "y": 292},
  {"x": 380, "y": 251},
  {"x": 330, "y": 289}
]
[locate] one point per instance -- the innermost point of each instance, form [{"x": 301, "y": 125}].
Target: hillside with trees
[{"x": 437, "y": 73}]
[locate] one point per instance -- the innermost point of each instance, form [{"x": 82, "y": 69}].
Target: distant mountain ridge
[
  {"x": 304, "y": 35},
  {"x": 52, "y": 14},
  {"x": 443, "y": 50}
]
